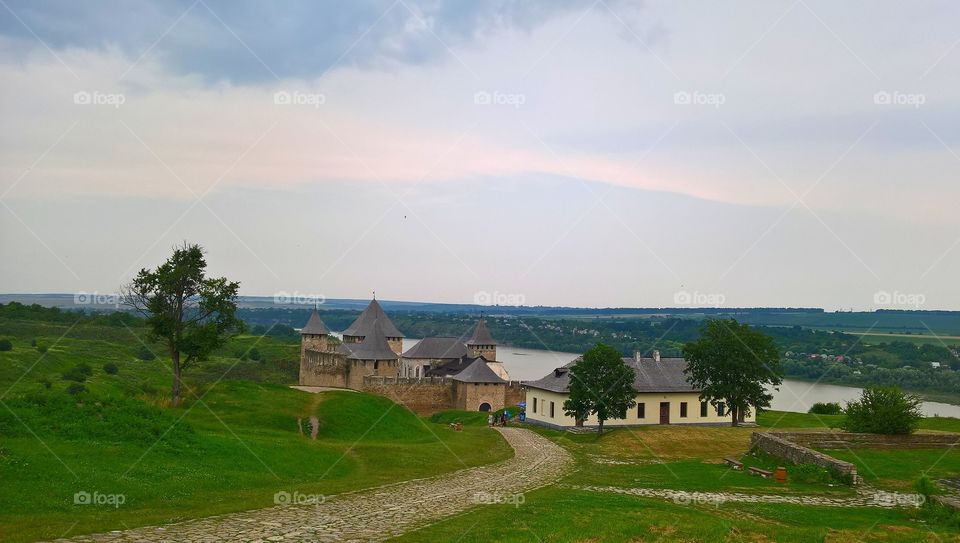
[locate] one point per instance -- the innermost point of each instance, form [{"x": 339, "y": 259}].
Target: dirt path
[{"x": 380, "y": 513}]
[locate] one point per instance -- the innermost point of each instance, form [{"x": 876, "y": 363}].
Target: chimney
[
  {"x": 656, "y": 356},
  {"x": 637, "y": 355}
]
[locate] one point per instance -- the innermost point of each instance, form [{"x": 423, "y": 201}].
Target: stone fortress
[{"x": 435, "y": 374}]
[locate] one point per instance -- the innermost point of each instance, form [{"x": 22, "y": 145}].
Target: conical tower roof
[
  {"x": 373, "y": 347},
  {"x": 481, "y": 336},
  {"x": 364, "y": 324},
  {"x": 315, "y": 325}
]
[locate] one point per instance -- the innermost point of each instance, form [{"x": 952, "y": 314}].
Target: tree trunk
[
  {"x": 579, "y": 422},
  {"x": 600, "y": 429},
  {"x": 175, "y": 391},
  {"x": 734, "y": 415}
]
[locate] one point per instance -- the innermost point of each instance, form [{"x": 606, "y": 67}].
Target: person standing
[{"x": 490, "y": 419}]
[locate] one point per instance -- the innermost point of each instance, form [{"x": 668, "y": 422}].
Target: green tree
[
  {"x": 601, "y": 384},
  {"x": 883, "y": 410},
  {"x": 732, "y": 364},
  {"x": 191, "y": 313},
  {"x": 5, "y": 345}
]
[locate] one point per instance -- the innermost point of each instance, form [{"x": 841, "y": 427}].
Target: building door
[
  {"x": 484, "y": 407},
  {"x": 664, "y": 412}
]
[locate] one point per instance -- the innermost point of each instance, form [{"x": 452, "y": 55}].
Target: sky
[{"x": 600, "y": 153}]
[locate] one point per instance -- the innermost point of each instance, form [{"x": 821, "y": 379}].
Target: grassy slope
[{"x": 231, "y": 450}]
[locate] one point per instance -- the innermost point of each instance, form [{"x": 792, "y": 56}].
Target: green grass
[
  {"x": 562, "y": 515},
  {"x": 898, "y": 469},
  {"x": 231, "y": 446},
  {"x": 787, "y": 420}
]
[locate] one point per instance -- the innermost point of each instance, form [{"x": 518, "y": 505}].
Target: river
[{"x": 797, "y": 396}]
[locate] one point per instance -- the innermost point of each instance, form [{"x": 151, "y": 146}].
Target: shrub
[
  {"x": 5, "y": 345},
  {"x": 925, "y": 487},
  {"x": 78, "y": 373},
  {"x": 41, "y": 348},
  {"x": 883, "y": 410},
  {"x": 254, "y": 354},
  {"x": 111, "y": 368},
  {"x": 143, "y": 353},
  {"x": 825, "y": 408},
  {"x": 33, "y": 343},
  {"x": 45, "y": 382},
  {"x": 76, "y": 388}
]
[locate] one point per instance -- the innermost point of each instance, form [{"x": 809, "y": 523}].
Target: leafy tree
[
  {"x": 76, "y": 388},
  {"x": 5, "y": 345},
  {"x": 601, "y": 384},
  {"x": 254, "y": 354},
  {"x": 190, "y": 312},
  {"x": 111, "y": 368},
  {"x": 732, "y": 364},
  {"x": 825, "y": 408},
  {"x": 146, "y": 354},
  {"x": 883, "y": 410}
]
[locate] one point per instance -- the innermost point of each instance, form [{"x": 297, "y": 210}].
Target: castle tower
[
  {"x": 481, "y": 343},
  {"x": 365, "y": 324},
  {"x": 314, "y": 334}
]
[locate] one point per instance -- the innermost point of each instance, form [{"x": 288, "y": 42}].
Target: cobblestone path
[
  {"x": 375, "y": 514},
  {"x": 866, "y": 497}
]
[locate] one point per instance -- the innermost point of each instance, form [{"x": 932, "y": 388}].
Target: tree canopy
[
  {"x": 732, "y": 364},
  {"x": 192, "y": 313},
  {"x": 601, "y": 384}
]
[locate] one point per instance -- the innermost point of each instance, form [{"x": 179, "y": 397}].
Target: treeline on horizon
[{"x": 903, "y": 363}]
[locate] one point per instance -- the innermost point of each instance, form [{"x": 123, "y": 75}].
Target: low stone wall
[
  {"x": 846, "y": 440},
  {"x": 776, "y": 445},
  {"x": 423, "y": 396}
]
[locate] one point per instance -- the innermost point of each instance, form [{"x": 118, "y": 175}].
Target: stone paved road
[
  {"x": 866, "y": 497},
  {"x": 376, "y": 514}
]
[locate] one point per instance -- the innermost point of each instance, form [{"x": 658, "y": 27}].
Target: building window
[
  {"x": 551, "y": 410},
  {"x": 534, "y": 405},
  {"x": 721, "y": 409},
  {"x": 376, "y": 364},
  {"x": 703, "y": 409},
  {"x": 683, "y": 410},
  {"x": 641, "y": 410}
]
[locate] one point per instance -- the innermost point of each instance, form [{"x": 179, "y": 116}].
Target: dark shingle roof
[
  {"x": 452, "y": 367},
  {"x": 478, "y": 372},
  {"x": 649, "y": 376},
  {"x": 437, "y": 347},
  {"x": 373, "y": 347},
  {"x": 315, "y": 325},
  {"x": 363, "y": 326},
  {"x": 481, "y": 336}
]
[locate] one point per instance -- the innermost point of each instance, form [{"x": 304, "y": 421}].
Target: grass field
[{"x": 230, "y": 447}]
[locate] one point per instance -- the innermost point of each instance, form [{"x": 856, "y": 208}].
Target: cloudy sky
[{"x": 598, "y": 153}]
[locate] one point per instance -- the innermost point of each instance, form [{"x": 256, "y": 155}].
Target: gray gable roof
[
  {"x": 437, "y": 348},
  {"x": 364, "y": 324},
  {"x": 649, "y": 376},
  {"x": 478, "y": 372},
  {"x": 373, "y": 347},
  {"x": 315, "y": 325},
  {"x": 481, "y": 336}
]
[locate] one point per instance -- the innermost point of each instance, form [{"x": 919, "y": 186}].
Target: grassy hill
[{"x": 240, "y": 437}]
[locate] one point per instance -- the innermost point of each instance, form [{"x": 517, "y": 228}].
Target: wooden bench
[
  {"x": 761, "y": 472},
  {"x": 735, "y": 464}
]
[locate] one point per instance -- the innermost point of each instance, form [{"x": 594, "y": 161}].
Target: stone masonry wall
[
  {"x": 775, "y": 445},
  {"x": 845, "y": 440},
  {"x": 423, "y": 396},
  {"x": 324, "y": 369}
]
